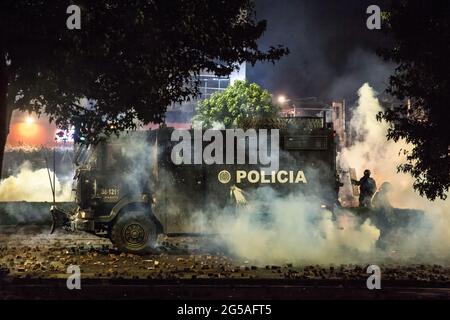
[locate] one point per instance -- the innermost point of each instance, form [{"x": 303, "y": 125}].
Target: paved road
[
  {"x": 34, "y": 266},
  {"x": 213, "y": 290}
]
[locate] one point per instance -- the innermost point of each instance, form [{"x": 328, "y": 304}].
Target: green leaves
[
  {"x": 240, "y": 102},
  {"x": 132, "y": 58},
  {"x": 421, "y": 48}
]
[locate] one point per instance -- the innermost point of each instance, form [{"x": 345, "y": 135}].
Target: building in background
[{"x": 180, "y": 115}]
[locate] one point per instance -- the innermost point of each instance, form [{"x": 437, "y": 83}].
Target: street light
[
  {"x": 29, "y": 120},
  {"x": 282, "y": 99}
]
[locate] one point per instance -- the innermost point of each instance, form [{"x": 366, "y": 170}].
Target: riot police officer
[{"x": 367, "y": 188}]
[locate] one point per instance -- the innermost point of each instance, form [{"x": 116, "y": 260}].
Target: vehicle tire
[{"x": 134, "y": 232}]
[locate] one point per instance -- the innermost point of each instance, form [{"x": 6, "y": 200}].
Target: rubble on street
[{"x": 29, "y": 252}]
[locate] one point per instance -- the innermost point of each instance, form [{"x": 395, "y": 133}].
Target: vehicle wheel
[{"x": 134, "y": 232}]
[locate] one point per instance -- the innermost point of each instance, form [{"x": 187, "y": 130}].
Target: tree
[
  {"x": 127, "y": 63},
  {"x": 239, "y": 103},
  {"x": 420, "y": 32}
]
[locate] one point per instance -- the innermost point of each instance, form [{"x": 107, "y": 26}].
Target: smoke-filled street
[
  {"x": 34, "y": 265},
  {"x": 224, "y": 158},
  {"x": 272, "y": 246}
]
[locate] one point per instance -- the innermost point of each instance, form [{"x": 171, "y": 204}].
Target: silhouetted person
[
  {"x": 381, "y": 200},
  {"x": 367, "y": 188}
]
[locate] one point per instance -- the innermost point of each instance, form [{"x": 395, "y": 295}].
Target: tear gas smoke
[
  {"x": 372, "y": 151},
  {"x": 295, "y": 230},
  {"x": 279, "y": 229},
  {"x": 292, "y": 228},
  {"x": 32, "y": 186},
  {"x": 135, "y": 150}
]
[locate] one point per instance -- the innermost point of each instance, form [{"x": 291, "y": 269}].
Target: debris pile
[{"x": 24, "y": 253}]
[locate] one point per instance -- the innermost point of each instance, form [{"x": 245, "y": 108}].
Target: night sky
[{"x": 332, "y": 51}]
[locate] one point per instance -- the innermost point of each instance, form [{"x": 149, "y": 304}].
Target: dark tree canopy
[
  {"x": 420, "y": 31},
  {"x": 130, "y": 60}
]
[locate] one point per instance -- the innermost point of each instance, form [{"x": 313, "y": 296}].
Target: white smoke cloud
[
  {"x": 373, "y": 151},
  {"x": 296, "y": 230},
  {"x": 32, "y": 186},
  {"x": 278, "y": 229}
]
